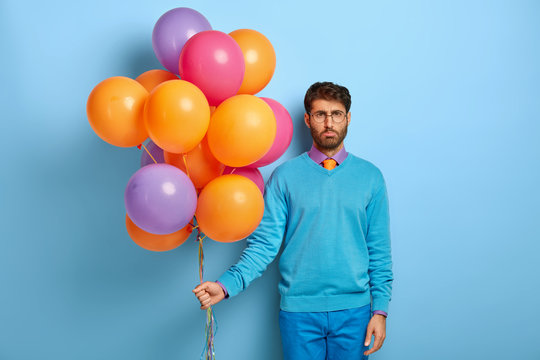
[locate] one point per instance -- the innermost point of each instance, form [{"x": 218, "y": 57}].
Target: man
[{"x": 329, "y": 211}]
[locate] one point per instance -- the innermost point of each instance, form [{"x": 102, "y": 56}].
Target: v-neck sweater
[{"x": 333, "y": 226}]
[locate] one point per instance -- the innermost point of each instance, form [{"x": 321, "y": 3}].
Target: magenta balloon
[
  {"x": 156, "y": 152},
  {"x": 160, "y": 199},
  {"x": 284, "y": 133},
  {"x": 252, "y": 174},
  {"x": 214, "y": 62},
  {"x": 171, "y": 32}
]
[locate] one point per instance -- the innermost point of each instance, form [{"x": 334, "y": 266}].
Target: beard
[{"x": 328, "y": 143}]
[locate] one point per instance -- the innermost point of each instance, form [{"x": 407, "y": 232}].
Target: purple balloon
[
  {"x": 171, "y": 32},
  {"x": 160, "y": 199},
  {"x": 156, "y": 152}
]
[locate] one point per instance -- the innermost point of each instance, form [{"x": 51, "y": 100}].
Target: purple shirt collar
[{"x": 318, "y": 156}]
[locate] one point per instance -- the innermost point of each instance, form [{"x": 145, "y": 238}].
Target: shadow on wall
[{"x": 141, "y": 57}]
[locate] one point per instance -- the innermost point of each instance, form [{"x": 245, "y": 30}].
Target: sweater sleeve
[
  {"x": 263, "y": 244},
  {"x": 378, "y": 243}
]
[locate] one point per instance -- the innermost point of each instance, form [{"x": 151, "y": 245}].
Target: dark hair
[{"x": 327, "y": 91}]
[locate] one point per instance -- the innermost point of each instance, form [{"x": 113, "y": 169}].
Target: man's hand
[
  {"x": 209, "y": 293},
  {"x": 376, "y": 328}
]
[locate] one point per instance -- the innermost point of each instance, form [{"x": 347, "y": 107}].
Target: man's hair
[{"x": 327, "y": 91}]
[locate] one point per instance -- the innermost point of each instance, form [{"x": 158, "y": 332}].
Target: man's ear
[
  {"x": 348, "y": 118},
  {"x": 306, "y": 120}
]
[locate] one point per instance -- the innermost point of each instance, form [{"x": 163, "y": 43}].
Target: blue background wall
[{"x": 445, "y": 102}]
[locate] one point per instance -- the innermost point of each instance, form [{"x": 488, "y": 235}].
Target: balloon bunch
[{"x": 209, "y": 133}]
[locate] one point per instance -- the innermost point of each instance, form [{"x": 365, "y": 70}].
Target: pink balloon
[
  {"x": 214, "y": 62},
  {"x": 284, "y": 133},
  {"x": 252, "y": 174}
]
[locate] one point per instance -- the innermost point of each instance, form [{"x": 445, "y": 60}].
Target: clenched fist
[{"x": 209, "y": 293}]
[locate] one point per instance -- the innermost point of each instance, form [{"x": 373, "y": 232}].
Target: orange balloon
[
  {"x": 176, "y": 116},
  {"x": 156, "y": 242},
  {"x": 152, "y": 78},
  {"x": 242, "y": 130},
  {"x": 202, "y": 166},
  {"x": 115, "y": 111},
  {"x": 260, "y": 59},
  {"x": 229, "y": 208}
]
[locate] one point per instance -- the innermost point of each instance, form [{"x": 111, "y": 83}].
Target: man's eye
[{"x": 337, "y": 113}]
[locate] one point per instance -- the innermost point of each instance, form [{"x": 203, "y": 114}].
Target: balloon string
[
  {"x": 211, "y": 323},
  {"x": 155, "y": 162},
  {"x": 201, "y": 255},
  {"x": 211, "y": 329},
  {"x": 184, "y": 157}
]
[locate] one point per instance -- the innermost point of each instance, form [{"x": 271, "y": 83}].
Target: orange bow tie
[{"x": 329, "y": 164}]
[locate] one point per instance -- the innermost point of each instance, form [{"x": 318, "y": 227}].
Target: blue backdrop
[{"x": 445, "y": 102}]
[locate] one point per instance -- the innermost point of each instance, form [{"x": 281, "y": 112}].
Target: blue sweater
[{"x": 334, "y": 228}]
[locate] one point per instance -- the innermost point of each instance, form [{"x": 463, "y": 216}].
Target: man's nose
[{"x": 328, "y": 122}]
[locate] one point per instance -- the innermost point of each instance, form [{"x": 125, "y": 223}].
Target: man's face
[{"x": 327, "y": 135}]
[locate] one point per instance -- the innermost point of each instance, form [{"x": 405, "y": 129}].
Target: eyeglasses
[{"x": 336, "y": 115}]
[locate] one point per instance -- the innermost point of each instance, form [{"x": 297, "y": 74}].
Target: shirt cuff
[
  {"x": 379, "y": 312},
  {"x": 224, "y": 289}
]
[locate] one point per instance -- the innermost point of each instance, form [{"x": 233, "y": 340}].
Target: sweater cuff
[
  {"x": 379, "y": 312},
  {"x": 380, "y": 304},
  {"x": 229, "y": 283},
  {"x": 224, "y": 288}
]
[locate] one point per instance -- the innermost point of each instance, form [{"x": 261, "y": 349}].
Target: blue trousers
[{"x": 333, "y": 335}]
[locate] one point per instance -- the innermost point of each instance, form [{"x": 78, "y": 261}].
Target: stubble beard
[{"x": 328, "y": 143}]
